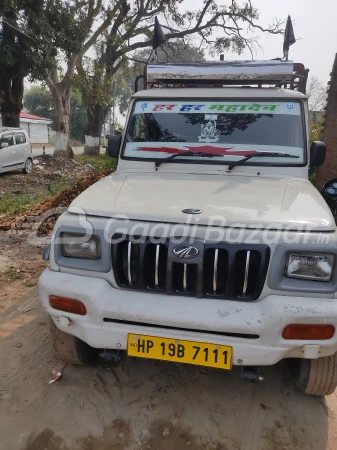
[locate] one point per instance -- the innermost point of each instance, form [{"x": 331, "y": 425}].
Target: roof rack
[{"x": 277, "y": 73}]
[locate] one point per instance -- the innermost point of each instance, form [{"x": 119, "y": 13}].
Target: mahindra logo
[
  {"x": 185, "y": 251},
  {"x": 192, "y": 211}
]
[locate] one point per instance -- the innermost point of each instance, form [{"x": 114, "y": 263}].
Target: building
[
  {"x": 36, "y": 127},
  {"x": 329, "y": 168}
]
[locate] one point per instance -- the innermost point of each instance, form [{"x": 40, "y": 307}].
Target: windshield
[{"x": 232, "y": 130}]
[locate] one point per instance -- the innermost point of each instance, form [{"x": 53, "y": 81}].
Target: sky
[{"x": 315, "y": 29}]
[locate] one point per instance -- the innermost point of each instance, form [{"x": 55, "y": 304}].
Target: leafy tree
[
  {"x": 38, "y": 101},
  {"x": 96, "y": 99},
  {"x": 316, "y": 131},
  {"x": 25, "y": 49},
  {"x": 122, "y": 85},
  {"x": 36, "y": 38},
  {"x": 79, "y": 26},
  {"x": 132, "y": 30}
]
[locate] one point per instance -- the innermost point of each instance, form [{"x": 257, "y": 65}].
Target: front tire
[
  {"x": 70, "y": 348},
  {"x": 28, "y": 166},
  {"x": 318, "y": 376}
]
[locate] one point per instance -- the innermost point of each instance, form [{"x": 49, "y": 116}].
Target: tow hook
[
  {"x": 251, "y": 374},
  {"x": 110, "y": 356}
]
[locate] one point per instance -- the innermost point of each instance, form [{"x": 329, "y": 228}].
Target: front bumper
[{"x": 110, "y": 311}]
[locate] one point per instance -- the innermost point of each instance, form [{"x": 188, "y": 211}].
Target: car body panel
[
  {"x": 238, "y": 200},
  {"x": 14, "y": 156}
]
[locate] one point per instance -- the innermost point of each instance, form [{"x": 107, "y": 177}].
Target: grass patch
[
  {"x": 59, "y": 185},
  {"x": 99, "y": 163},
  {"x": 12, "y": 274},
  {"x": 20, "y": 201},
  {"x": 13, "y": 202}
]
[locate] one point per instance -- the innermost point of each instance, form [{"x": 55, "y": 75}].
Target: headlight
[
  {"x": 310, "y": 266},
  {"x": 76, "y": 245}
]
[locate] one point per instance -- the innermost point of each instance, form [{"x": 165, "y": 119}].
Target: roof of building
[{"x": 24, "y": 115}]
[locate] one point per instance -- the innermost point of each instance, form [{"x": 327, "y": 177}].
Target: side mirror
[
  {"x": 4, "y": 145},
  {"x": 317, "y": 153},
  {"x": 114, "y": 145},
  {"x": 329, "y": 193}
]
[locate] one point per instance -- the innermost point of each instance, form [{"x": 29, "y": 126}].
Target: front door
[
  {"x": 21, "y": 147},
  {"x": 8, "y": 159}
]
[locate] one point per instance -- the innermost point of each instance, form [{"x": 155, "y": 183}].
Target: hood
[{"x": 240, "y": 200}]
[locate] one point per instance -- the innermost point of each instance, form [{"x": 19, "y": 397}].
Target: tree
[
  {"x": 79, "y": 26},
  {"x": 316, "y": 91},
  {"x": 131, "y": 31},
  {"x": 96, "y": 99},
  {"x": 38, "y": 101},
  {"x": 121, "y": 86},
  {"x": 36, "y": 38},
  {"x": 24, "y": 50},
  {"x": 78, "y": 116}
]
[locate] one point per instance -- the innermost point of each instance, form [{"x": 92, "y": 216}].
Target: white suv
[
  {"x": 15, "y": 150},
  {"x": 208, "y": 245}
]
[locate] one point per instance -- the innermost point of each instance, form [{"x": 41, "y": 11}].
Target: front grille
[{"x": 220, "y": 270}]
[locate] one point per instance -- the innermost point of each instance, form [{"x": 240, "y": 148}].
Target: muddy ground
[
  {"x": 45, "y": 170},
  {"x": 138, "y": 404}
]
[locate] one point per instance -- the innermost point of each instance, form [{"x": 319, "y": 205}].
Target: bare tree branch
[
  {"x": 316, "y": 92},
  {"x": 91, "y": 41}
]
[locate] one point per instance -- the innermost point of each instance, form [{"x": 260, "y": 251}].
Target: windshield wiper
[
  {"x": 269, "y": 154},
  {"x": 169, "y": 158}
]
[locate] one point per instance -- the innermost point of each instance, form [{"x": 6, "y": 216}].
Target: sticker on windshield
[
  {"x": 246, "y": 108},
  {"x": 209, "y": 133}
]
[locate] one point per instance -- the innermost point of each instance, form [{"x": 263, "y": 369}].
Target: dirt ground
[
  {"x": 137, "y": 404},
  {"x": 45, "y": 171}
]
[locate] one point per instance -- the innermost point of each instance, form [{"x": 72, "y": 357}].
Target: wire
[{"x": 20, "y": 31}]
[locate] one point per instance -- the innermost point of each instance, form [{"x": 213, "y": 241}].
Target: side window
[
  {"x": 20, "y": 138},
  {"x": 7, "y": 139},
  {"x": 138, "y": 129}
]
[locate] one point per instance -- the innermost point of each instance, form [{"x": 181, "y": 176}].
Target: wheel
[
  {"x": 71, "y": 349},
  {"x": 28, "y": 166},
  {"x": 318, "y": 376}
]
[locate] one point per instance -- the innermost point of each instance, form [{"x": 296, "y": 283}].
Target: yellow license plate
[{"x": 177, "y": 350}]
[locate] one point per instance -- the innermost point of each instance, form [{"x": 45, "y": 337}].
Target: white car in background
[{"x": 15, "y": 150}]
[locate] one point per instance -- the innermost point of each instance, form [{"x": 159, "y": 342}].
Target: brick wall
[{"x": 329, "y": 168}]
